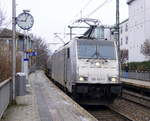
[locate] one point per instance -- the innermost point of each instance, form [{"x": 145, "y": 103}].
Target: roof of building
[{"x": 7, "y": 34}]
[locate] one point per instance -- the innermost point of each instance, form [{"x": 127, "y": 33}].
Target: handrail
[
  {"x": 4, "y": 82},
  {"x": 5, "y": 95}
]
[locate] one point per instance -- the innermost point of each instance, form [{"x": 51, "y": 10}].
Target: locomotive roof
[{"x": 95, "y": 41}]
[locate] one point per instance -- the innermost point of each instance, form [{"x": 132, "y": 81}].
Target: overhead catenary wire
[
  {"x": 95, "y": 10},
  {"x": 81, "y": 11},
  {"x": 88, "y": 15},
  {"x": 86, "y": 5}
]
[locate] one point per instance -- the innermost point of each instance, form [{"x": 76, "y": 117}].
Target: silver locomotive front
[{"x": 97, "y": 71}]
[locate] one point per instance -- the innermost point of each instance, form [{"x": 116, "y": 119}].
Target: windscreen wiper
[
  {"x": 100, "y": 57},
  {"x": 85, "y": 37}
]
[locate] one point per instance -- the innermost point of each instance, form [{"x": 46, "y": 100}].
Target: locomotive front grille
[{"x": 96, "y": 74}]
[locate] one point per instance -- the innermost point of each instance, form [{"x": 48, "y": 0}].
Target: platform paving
[
  {"x": 26, "y": 109},
  {"x": 138, "y": 83},
  {"x": 45, "y": 102}
]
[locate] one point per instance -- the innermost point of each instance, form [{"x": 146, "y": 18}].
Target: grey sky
[{"x": 53, "y": 15}]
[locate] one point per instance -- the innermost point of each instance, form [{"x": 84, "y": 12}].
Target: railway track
[
  {"x": 131, "y": 110},
  {"x": 137, "y": 98},
  {"x": 105, "y": 114},
  {"x": 133, "y": 105},
  {"x": 130, "y": 107},
  {"x": 121, "y": 110}
]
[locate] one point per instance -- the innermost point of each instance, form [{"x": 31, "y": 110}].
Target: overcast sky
[{"x": 54, "y": 15}]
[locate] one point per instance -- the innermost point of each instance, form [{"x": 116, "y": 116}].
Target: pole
[
  {"x": 14, "y": 45},
  {"x": 117, "y": 29},
  {"x": 27, "y": 56},
  {"x": 70, "y": 33}
]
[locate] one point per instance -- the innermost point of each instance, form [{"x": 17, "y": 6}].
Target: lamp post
[{"x": 14, "y": 46}]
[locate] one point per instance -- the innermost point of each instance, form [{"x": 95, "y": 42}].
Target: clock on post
[{"x": 25, "y": 20}]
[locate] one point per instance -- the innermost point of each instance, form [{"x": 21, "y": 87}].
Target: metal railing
[
  {"x": 145, "y": 76},
  {"x": 5, "y": 95},
  {"x": 6, "y": 91}
]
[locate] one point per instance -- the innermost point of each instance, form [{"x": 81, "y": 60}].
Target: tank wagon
[{"x": 87, "y": 67}]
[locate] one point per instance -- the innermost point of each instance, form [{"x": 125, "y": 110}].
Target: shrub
[
  {"x": 138, "y": 66},
  {"x": 145, "y": 48}
]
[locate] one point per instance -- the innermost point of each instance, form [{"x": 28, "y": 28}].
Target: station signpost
[{"x": 25, "y": 21}]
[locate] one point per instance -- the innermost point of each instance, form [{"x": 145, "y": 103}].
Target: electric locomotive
[{"x": 87, "y": 67}]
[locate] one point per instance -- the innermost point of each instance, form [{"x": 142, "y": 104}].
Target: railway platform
[
  {"x": 136, "y": 83},
  {"x": 45, "y": 102}
]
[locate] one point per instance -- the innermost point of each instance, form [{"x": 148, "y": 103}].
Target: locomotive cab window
[
  {"x": 68, "y": 53},
  {"x": 96, "y": 50},
  {"x": 98, "y": 33}
]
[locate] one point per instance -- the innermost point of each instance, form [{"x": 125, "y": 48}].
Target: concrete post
[{"x": 14, "y": 45}]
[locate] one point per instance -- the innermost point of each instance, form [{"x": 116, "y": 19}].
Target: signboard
[
  {"x": 32, "y": 54},
  {"x": 26, "y": 59}
]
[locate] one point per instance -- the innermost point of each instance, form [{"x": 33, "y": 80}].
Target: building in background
[
  {"x": 24, "y": 46},
  {"x": 135, "y": 30},
  {"x": 124, "y": 41}
]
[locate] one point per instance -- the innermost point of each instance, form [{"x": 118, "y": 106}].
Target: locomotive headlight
[
  {"x": 113, "y": 79},
  {"x": 97, "y": 64},
  {"x": 83, "y": 78}
]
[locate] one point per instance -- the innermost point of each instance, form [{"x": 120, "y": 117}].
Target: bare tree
[
  {"x": 2, "y": 18},
  {"x": 4, "y": 53},
  {"x": 145, "y": 48},
  {"x": 124, "y": 55},
  {"x": 42, "y": 53}
]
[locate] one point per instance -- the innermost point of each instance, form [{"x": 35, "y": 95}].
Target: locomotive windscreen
[{"x": 96, "y": 49}]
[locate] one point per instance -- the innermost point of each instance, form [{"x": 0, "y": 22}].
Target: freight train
[{"x": 87, "y": 67}]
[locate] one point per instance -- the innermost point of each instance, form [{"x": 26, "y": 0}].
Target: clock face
[{"x": 25, "y": 21}]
